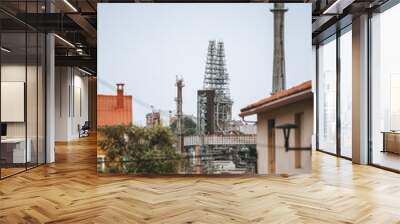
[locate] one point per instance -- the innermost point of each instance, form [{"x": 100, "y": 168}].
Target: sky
[{"x": 146, "y": 46}]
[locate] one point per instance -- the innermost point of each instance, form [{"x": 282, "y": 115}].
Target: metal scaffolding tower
[
  {"x": 278, "y": 73},
  {"x": 216, "y": 79},
  {"x": 179, "y": 115}
]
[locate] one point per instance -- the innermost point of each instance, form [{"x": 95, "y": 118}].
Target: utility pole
[
  {"x": 278, "y": 73},
  {"x": 179, "y": 115}
]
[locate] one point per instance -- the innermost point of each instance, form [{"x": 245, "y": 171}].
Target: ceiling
[{"x": 75, "y": 21}]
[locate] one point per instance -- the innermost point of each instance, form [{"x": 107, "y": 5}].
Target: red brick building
[{"x": 113, "y": 110}]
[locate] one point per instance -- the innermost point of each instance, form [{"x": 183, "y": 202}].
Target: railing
[
  {"x": 219, "y": 140},
  {"x": 227, "y": 163}
]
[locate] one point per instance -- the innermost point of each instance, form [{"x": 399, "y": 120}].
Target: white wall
[
  {"x": 33, "y": 127},
  {"x": 61, "y": 103},
  {"x": 12, "y": 73},
  {"x": 262, "y": 144},
  {"x": 71, "y": 102}
]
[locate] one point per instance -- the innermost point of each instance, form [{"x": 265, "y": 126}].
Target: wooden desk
[{"x": 391, "y": 141}]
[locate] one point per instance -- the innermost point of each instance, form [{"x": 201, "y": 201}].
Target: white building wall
[{"x": 262, "y": 143}]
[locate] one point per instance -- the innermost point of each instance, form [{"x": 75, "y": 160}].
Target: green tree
[
  {"x": 139, "y": 150},
  {"x": 188, "y": 124}
]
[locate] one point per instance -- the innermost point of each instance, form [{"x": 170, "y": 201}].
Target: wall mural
[{"x": 173, "y": 77}]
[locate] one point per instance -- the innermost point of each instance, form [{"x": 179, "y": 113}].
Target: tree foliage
[
  {"x": 189, "y": 126},
  {"x": 139, "y": 150}
]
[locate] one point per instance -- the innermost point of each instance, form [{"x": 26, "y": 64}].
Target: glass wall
[
  {"x": 346, "y": 93},
  {"x": 385, "y": 89},
  {"x": 335, "y": 94},
  {"x": 327, "y": 96},
  {"x": 22, "y": 92},
  {"x": 13, "y": 88}
]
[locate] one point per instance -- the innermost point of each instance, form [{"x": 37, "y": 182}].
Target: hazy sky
[{"x": 146, "y": 46}]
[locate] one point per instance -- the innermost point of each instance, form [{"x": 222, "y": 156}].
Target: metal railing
[
  {"x": 226, "y": 163},
  {"x": 220, "y": 140}
]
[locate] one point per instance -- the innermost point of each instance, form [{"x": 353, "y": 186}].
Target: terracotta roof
[{"x": 252, "y": 108}]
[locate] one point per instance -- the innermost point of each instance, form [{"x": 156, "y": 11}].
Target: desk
[
  {"x": 391, "y": 141},
  {"x": 13, "y": 150}
]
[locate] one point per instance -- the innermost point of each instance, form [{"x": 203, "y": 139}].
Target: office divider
[{"x": 22, "y": 78}]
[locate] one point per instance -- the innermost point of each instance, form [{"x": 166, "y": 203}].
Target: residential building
[
  {"x": 153, "y": 119},
  {"x": 289, "y": 111}
]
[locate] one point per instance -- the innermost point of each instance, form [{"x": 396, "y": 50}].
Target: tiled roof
[{"x": 277, "y": 96}]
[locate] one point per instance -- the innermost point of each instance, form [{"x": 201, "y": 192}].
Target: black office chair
[{"x": 84, "y": 130}]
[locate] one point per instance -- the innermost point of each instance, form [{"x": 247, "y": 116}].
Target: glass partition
[
  {"x": 22, "y": 88},
  {"x": 346, "y": 94},
  {"x": 327, "y": 96},
  {"x": 14, "y": 154},
  {"x": 385, "y": 89}
]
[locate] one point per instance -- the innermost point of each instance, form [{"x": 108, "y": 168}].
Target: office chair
[{"x": 84, "y": 130}]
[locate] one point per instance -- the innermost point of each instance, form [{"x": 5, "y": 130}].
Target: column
[{"x": 360, "y": 90}]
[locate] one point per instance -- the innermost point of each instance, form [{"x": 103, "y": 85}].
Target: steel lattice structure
[{"x": 214, "y": 102}]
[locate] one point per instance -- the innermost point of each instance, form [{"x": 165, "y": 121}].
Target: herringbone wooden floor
[{"x": 70, "y": 191}]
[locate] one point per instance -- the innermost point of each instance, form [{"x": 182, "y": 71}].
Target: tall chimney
[
  {"x": 120, "y": 95},
  {"x": 179, "y": 115},
  {"x": 278, "y": 73}
]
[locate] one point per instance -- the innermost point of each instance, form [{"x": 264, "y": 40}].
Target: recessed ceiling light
[
  {"x": 64, "y": 40},
  {"x": 337, "y": 7},
  {"x": 70, "y": 5},
  {"x": 84, "y": 71},
  {"x": 5, "y": 50}
]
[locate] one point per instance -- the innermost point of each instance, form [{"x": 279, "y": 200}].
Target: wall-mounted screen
[{"x": 12, "y": 101}]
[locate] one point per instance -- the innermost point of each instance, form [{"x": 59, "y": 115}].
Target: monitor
[{"x": 3, "y": 129}]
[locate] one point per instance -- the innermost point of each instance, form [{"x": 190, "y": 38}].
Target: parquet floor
[{"x": 70, "y": 191}]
